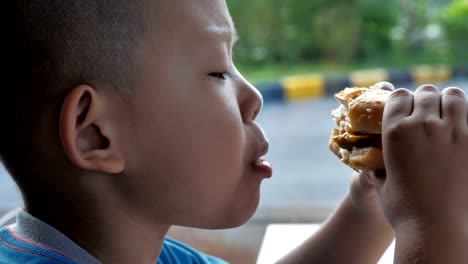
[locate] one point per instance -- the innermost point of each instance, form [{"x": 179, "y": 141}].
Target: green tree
[
  {"x": 414, "y": 20},
  {"x": 336, "y": 31},
  {"x": 338, "y": 28},
  {"x": 455, "y": 22},
  {"x": 379, "y": 18}
]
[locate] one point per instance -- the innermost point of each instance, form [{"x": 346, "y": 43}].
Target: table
[{"x": 280, "y": 239}]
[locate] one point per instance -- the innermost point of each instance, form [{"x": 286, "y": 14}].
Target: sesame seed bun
[{"x": 357, "y": 139}]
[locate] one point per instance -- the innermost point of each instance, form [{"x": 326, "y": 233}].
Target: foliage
[
  {"x": 455, "y": 22},
  {"x": 347, "y": 32}
]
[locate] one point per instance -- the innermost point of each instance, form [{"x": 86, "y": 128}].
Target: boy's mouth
[
  {"x": 263, "y": 167},
  {"x": 260, "y": 165}
]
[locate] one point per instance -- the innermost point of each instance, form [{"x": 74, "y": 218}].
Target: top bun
[{"x": 361, "y": 110}]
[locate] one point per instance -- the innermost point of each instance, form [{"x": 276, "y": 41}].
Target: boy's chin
[
  {"x": 230, "y": 219},
  {"x": 231, "y": 223},
  {"x": 239, "y": 219}
]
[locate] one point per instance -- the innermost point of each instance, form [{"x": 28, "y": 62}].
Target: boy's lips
[
  {"x": 261, "y": 146},
  {"x": 263, "y": 167}
]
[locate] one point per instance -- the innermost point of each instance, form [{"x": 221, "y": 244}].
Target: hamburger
[{"x": 357, "y": 140}]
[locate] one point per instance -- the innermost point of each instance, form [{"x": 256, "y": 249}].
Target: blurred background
[
  {"x": 333, "y": 38},
  {"x": 278, "y": 38},
  {"x": 330, "y": 37}
]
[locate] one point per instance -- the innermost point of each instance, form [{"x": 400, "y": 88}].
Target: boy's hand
[
  {"x": 425, "y": 142},
  {"x": 364, "y": 195}
]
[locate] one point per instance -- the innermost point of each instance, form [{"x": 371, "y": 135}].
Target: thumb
[
  {"x": 378, "y": 179},
  {"x": 385, "y": 86},
  {"x": 362, "y": 185}
]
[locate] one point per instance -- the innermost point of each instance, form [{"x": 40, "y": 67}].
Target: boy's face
[{"x": 190, "y": 140}]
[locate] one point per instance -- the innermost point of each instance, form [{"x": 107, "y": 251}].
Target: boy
[{"x": 127, "y": 117}]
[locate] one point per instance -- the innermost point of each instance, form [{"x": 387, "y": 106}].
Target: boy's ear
[{"x": 86, "y": 138}]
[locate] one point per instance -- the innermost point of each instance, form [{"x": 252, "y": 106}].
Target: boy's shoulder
[
  {"x": 174, "y": 251},
  {"x": 14, "y": 250}
]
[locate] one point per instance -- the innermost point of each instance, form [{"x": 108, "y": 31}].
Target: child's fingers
[
  {"x": 385, "y": 86},
  {"x": 427, "y": 101},
  {"x": 398, "y": 106},
  {"x": 454, "y": 106}
]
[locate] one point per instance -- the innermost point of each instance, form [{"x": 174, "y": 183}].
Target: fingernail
[
  {"x": 370, "y": 180},
  {"x": 368, "y": 177}
]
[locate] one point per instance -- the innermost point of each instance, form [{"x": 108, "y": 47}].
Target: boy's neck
[{"x": 109, "y": 233}]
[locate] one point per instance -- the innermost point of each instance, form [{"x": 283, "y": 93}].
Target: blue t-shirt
[
  {"x": 14, "y": 250},
  {"x": 175, "y": 252},
  {"x": 31, "y": 241}
]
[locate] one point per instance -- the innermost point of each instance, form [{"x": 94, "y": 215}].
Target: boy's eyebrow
[
  {"x": 226, "y": 34},
  {"x": 235, "y": 36}
]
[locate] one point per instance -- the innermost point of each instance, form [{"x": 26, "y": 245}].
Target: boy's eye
[{"x": 220, "y": 75}]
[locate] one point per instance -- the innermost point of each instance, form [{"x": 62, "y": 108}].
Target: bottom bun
[{"x": 359, "y": 159}]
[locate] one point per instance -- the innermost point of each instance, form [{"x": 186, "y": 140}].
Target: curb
[{"x": 308, "y": 86}]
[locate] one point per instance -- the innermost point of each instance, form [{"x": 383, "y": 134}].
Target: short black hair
[{"x": 53, "y": 46}]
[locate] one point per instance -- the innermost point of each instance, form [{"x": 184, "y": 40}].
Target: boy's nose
[{"x": 250, "y": 101}]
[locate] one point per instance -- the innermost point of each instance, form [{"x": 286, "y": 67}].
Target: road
[{"x": 305, "y": 171}]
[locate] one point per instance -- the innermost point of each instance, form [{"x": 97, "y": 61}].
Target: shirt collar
[{"x": 38, "y": 232}]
